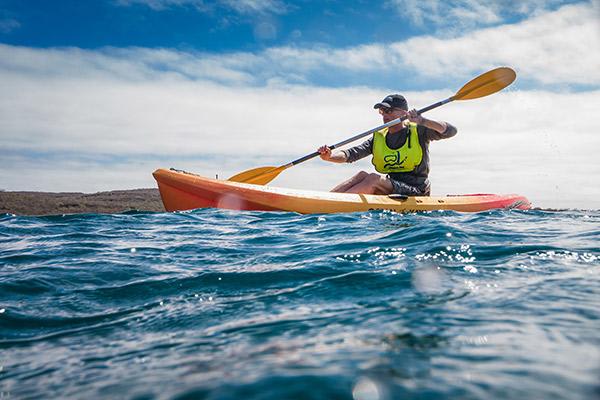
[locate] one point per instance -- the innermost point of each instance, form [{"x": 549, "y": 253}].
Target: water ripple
[{"x": 221, "y": 304}]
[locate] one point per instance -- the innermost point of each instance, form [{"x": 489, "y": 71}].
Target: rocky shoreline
[{"x": 44, "y": 203}]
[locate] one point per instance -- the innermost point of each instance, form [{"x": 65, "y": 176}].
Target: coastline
[{"x": 53, "y": 203}]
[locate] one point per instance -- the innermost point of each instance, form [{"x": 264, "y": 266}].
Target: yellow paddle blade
[
  {"x": 258, "y": 176},
  {"x": 486, "y": 84}
]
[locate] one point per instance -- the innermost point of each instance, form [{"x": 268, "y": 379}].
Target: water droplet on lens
[
  {"x": 428, "y": 280},
  {"x": 365, "y": 389},
  {"x": 231, "y": 202}
]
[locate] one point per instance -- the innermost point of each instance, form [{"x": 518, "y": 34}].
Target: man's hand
[
  {"x": 336, "y": 156},
  {"x": 415, "y": 117},
  {"x": 325, "y": 153}
]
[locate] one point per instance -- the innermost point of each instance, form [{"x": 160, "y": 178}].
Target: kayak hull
[{"x": 185, "y": 191}]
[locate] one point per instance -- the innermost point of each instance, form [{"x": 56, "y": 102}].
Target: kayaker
[{"x": 401, "y": 152}]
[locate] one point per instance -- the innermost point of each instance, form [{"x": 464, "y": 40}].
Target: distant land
[{"x": 45, "y": 203}]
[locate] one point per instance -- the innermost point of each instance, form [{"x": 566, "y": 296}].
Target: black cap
[{"x": 393, "y": 101}]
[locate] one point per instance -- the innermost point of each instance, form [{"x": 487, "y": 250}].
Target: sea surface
[{"x": 216, "y": 304}]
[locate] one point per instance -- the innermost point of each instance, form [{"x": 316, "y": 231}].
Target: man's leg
[
  {"x": 344, "y": 186},
  {"x": 372, "y": 184}
]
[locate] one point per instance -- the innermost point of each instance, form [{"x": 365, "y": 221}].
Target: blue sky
[
  {"x": 248, "y": 25},
  {"x": 98, "y": 93}
]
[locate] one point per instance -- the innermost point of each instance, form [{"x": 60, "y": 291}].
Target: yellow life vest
[{"x": 404, "y": 159}]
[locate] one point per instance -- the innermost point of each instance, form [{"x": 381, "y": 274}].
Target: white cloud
[
  {"x": 129, "y": 64},
  {"x": 557, "y": 47},
  {"x": 121, "y": 131},
  {"x": 159, "y": 117},
  {"x": 462, "y": 12},
  {"x": 459, "y": 15}
]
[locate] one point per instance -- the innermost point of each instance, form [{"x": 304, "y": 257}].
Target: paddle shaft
[{"x": 369, "y": 132}]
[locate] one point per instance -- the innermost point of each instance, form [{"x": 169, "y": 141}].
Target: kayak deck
[{"x": 185, "y": 191}]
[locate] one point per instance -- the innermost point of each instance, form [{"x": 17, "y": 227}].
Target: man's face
[{"x": 390, "y": 114}]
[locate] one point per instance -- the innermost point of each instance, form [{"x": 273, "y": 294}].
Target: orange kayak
[{"x": 181, "y": 190}]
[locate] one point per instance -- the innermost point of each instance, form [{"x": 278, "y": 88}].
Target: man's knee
[
  {"x": 375, "y": 182},
  {"x": 381, "y": 184},
  {"x": 362, "y": 175},
  {"x": 374, "y": 178}
]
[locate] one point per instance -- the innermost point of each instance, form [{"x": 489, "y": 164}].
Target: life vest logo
[{"x": 392, "y": 161}]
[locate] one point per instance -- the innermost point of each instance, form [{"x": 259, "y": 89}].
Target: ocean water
[{"x": 215, "y": 304}]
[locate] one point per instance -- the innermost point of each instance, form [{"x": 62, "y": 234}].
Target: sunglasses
[{"x": 386, "y": 110}]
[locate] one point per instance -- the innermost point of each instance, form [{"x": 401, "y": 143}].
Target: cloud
[
  {"x": 530, "y": 46},
  {"x": 555, "y": 47},
  {"x": 160, "y": 5},
  {"x": 74, "y": 133},
  {"x": 243, "y": 7},
  {"x": 459, "y": 15},
  {"x": 256, "y": 6},
  {"x": 431, "y": 12},
  {"x": 128, "y": 64}
]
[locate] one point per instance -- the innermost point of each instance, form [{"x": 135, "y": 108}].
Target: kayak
[{"x": 182, "y": 190}]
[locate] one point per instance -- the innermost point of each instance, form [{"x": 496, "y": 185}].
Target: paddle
[{"x": 484, "y": 85}]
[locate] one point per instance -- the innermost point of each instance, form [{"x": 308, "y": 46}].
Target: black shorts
[{"x": 406, "y": 189}]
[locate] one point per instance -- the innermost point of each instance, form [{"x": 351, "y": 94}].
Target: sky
[{"x": 97, "y": 94}]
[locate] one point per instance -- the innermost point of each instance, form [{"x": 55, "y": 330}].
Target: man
[{"x": 400, "y": 151}]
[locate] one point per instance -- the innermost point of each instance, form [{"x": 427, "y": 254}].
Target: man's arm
[
  {"x": 349, "y": 155},
  {"x": 436, "y": 130},
  {"x": 439, "y": 127},
  {"x": 335, "y": 155}
]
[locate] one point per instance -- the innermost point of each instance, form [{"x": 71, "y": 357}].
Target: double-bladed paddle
[{"x": 484, "y": 85}]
